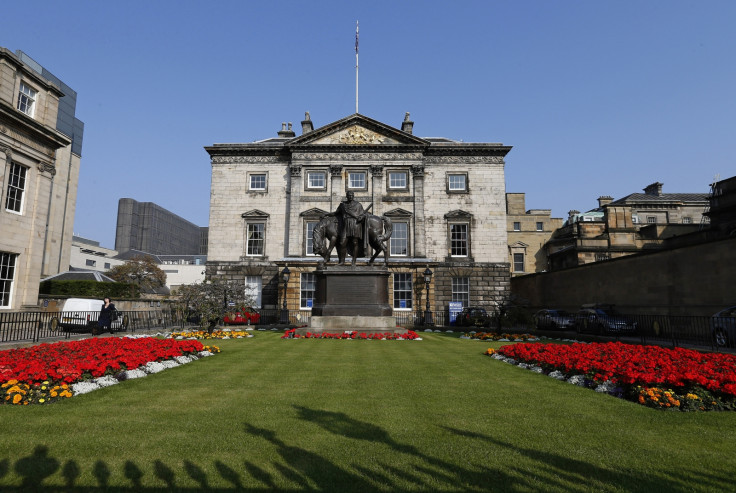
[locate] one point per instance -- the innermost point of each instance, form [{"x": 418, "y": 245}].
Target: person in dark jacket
[{"x": 107, "y": 314}]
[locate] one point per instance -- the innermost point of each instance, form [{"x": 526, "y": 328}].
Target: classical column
[
  {"x": 293, "y": 237},
  {"x": 420, "y": 247},
  {"x": 377, "y": 189},
  {"x": 336, "y": 190}
]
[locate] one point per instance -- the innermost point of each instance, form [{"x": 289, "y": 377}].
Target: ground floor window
[
  {"x": 402, "y": 291},
  {"x": 308, "y": 287},
  {"x": 253, "y": 289},
  {"x": 518, "y": 262},
  {"x": 7, "y": 274},
  {"x": 461, "y": 290}
]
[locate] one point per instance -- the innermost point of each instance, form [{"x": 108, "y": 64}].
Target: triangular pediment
[
  {"x": 398, "y": 212},
  {"x": 357, "y": 130},
  {"x": 518, "y": 244},
  {"x": 458, "y": 214},
  {"x": 313, "y": 212},
  {"x": 255, "y": 214}
]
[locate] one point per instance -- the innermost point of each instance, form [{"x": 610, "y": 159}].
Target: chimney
[
  {"x": 307, "y": 124},
  {"x": 284, "y": 132},
  {"x": 571, "y": 216},
  {"x": 604, "y": 200},
  {"x": 654, "y": 189},
  {"x": 407, "y": 125}
]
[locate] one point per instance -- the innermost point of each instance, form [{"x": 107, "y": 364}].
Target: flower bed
[
  {"x": 215, "y": 334},
  {"x": 495, "y": 336},
  {"x": 47, "y": 372},
  {"x": 408, "y": 335},
  {"x": 650, "y": 375}
]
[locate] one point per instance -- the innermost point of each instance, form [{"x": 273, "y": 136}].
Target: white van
[{"x": 82, "y": 314}]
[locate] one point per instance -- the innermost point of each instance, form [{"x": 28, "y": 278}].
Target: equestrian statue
[{"x": 352, "y": 229}]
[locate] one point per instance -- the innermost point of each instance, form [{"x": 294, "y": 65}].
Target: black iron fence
[{"x": 667, "y": 330}]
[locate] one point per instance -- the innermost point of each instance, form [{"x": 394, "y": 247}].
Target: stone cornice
[
  {"x": 22, "y": 127},
  {"x": 247, "y": 160},
  {"x": 464, "y": 159}
]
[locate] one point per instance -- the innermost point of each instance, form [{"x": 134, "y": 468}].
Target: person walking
[{"x": 108, "y": 312}]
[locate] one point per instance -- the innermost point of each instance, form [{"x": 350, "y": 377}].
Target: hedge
[{"x": 91, "y": 289}]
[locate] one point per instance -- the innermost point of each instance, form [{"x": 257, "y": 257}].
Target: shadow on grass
[{"x": 306, "y": 470}]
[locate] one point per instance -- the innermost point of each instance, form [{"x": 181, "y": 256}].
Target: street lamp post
[
  {"x": 285, "y": 311},
  {"x": 427, "y": 312}
]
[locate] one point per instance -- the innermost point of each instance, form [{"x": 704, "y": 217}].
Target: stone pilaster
[
  {"x": 336, "y": 189},
  {"x": 293, "y": 236},
  {"x": 377, "y": 190},
  {"x": 420, "y": 242}
]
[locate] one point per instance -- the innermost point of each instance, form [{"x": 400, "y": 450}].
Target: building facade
[
  {"x": 40, "y": 154},
  {"x": 89, "y": 255},
  {"x": 528, "y": 231},
  {"x": 635, "y": 223},
  {"x": 444, "y": 198},
  {"x": 150, "y": 228}
]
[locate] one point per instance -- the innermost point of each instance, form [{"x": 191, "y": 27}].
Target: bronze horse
[{"x": 325, "y": 236}]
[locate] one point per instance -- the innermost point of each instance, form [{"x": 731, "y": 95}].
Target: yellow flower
[
  {"x": 17, "y": 398},
  {"x": 41, "y": 401}
]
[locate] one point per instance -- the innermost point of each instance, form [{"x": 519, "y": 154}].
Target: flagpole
[{"x": 356, "y": 66}]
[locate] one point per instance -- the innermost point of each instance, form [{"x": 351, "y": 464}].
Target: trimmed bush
[{"x": 89, "y": 289}]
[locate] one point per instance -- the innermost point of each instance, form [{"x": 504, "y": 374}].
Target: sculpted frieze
[
  {"x": 46, "y": 168},
  {"x": 24, "y": 138},
  {"x": 356, "y": 135},
  {"x": 359, "y": 156},
  {"x": 464, "y": 160},
  {"x": 245, "y": 159}
]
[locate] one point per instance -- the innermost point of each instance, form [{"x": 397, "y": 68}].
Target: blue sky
[{"x": 596, "y": 97}]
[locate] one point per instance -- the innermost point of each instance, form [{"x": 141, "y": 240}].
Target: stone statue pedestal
[{"x": 351, "y": 298}]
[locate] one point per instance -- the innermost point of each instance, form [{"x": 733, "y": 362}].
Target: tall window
[
  {"x": 402, "y": 291},
  {"x": 317, "y": 179},
  {"x": 26, "y": 99},
  {"x": 399, "y": 242},
  {"x": 356, "y": 179},
  {"x": 308, "y": 241},
  {"x": 459, "y": 240},
  {"x": 518, "y": 262},
  {"x": 258, "y": 182},
  {"x": 398, "y": 180},
  {"x": 517, "y": 226},
  {"x": 253, "y": 289},
  {"x": 256, "y": 237},
  {"x": 16, "y": 187},
  {"x": 461, "y": 290},
  {"x": 7, "y": 273},
  {"x": 457, "y": 182},
  {"x": 308, "y": 287}
]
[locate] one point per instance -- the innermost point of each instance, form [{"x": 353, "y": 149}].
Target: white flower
[
  {"x": 106, "y": 381},
  {"x": 204, "y": 354},
  {"x": 536, "y": 369},
  {"x": 84, "y": 387},
  {"x": 606, "y": 387},
  {"x": 131, "y": 374},
  {"x": 153, "y": 367},
  {"x": 577, "y": 380},
  {"x": 170, "y": 363},
  {"x": 558, "y": 375},
  {"x": 503, "y": 340},
  {"x": 183, "y": 360}
]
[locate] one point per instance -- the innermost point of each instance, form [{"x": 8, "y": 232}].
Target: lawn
[{"x": 431, "y": 415}]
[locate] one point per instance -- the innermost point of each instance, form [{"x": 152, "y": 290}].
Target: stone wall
[{"x": 692, "y": 280}]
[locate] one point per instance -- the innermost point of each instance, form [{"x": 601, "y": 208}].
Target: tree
[
  {"x": 142, "y": 271},
  {"x": 209, "y": 301}
]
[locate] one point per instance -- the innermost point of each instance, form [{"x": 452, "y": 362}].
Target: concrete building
[
  {"x": 89, "y": 255},
  {"x": 150, "y": 228},
  {"x": 445, "y": 198},
  {"x": 637, "y": 222},
  {"x": 528, "y": 231},
  {"x": 40, "y": 154}
]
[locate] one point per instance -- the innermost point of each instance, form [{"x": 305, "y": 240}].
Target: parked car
[
  {"x": 473, "y": 316},
  {"x": 81, "y": 314},
  {"x": 603, "y": 319},
  {"x": 552, "y": 319},
  {"x": 723, "y": 327},
  {"x": 245, "y": 316}
]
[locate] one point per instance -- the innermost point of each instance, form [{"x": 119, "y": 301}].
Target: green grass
[{"x": 435, "y": 415}]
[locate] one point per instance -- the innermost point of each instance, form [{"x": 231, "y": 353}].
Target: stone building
[
  {"x": 635, "y": 223},
  {"x": 528, "y": 231},
  {"x": 40, "y": 154},
  {"x": 445, "y": 199}
]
